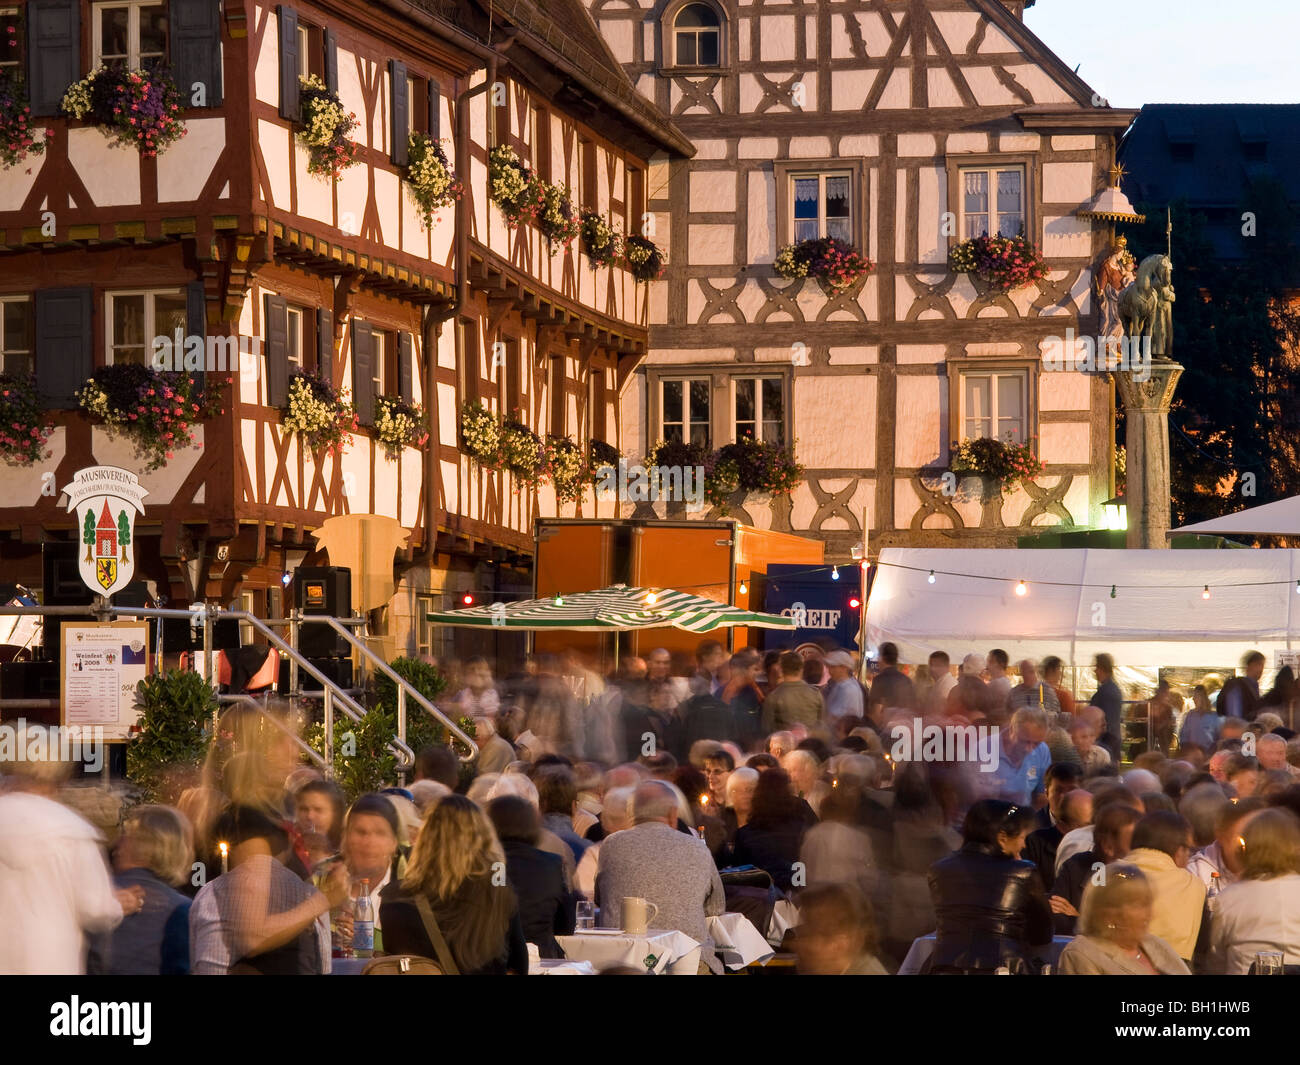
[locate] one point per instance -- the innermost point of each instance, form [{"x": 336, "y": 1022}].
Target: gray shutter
[
  {"x": 401, "y": 112},
  {"x": 331, "y": 61},
  {"x": 196, "y": 47},
  {"x": 196, "y": 322},
  {"x": 325, "y": 346},
  {"x": 64, "y": 358},
  {"x": 363, "y": 363},
  {"x": 405, "y": 367},
  {"x": 288, "y": 19},
  {"x": 435, "y": 110},
  {"x": 53, "y": 52},
  {"x": 277, "y": 351}
]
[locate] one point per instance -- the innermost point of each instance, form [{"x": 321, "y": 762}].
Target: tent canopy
[
  {"x": 616, "y": 609},
  {"x": 1158, "y": 616},
  {"x": 1272, "y": 519}
]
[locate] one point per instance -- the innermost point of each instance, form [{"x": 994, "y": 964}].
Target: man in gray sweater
[{"x": 655, "y": 862}]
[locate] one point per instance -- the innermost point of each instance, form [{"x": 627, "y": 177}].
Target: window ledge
[{"x": 691, "y": 71}]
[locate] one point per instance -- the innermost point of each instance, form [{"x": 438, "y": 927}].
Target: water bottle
[
  {"x": 363, "y": 924},
  {"x": 1212, "y": 892}
]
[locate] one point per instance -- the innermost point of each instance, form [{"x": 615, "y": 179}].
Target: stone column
[{"x": 1146, "y": 439}]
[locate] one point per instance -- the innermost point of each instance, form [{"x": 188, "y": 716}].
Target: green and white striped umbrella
[{"x": 616, "y": 609}]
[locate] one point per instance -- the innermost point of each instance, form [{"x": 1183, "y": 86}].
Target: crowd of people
[{"x": 759, "y": 783}]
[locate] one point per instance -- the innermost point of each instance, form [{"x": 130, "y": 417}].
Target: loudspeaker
[
  {"x": 30, "y": 680},
  {"x": 324, "y": 590},
  {"x": 137, "y": 594},
  {"x": 338, "y": 670},
  {"x": 61, "y": 585}
]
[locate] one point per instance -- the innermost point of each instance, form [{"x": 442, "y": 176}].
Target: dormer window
[{"x": 697, "y": 37}]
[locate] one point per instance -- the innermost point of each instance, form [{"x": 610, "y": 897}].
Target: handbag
[{"x": 415, "y": 964}]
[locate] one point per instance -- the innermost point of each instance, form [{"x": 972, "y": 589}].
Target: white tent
[
  {"x": 1272, "y": 519},
  {"x": 1158, "y": 616}
]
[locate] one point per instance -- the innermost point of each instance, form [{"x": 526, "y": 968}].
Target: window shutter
[
  {"x": 288, "y": 19},
  {"x": 435, "y": 111},
  {"x": 64, "y": 358},
  {"x": 406, "y": 367},
  {"x": 325, "y": 346},
  {"x": 363, "y": 371},
  {"x": 196, "y": 48},
  {"x": 53, "y": 52},
  {"x": 401, "y": 112},
  {"x": 277, "y": 351},
  {"x": 196, "y": 323},
  {"x": 331, "y": 61}
]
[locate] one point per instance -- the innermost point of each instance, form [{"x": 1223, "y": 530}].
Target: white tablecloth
[
  {"x": 658, "y": 951},
  {"x": 737, "y": 941},
  {"x": 923, "y": 947}
]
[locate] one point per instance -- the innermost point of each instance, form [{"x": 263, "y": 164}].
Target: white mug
[{"x": 635, "y": 918}]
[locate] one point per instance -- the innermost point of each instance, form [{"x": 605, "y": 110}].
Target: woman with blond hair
[
  {"x": 155, "y": 852},
  {"x": 1113, "y": 937},
  {"x": 454, "y": 904},
  {"x": 1261, "y": 911}
]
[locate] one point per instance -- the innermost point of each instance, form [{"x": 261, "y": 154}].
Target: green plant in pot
[{"x": 167, "y": 754}]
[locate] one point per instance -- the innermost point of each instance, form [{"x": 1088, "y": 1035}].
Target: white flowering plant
[
  {"x": 480, "y": 433},
  {"x": 398, "y": 424},
  {"x": 643, "y": 259},
  {"x": 513, "y": 186},
  {"x": 600, "y": 240},
  {"x": 567, "y": 468},
  {"x": 557, "y": 221},
  {"x": 522, "y": 453},
  {"x": 325, "y": 128},
  {"x": 322, "y": 417},
  {"x": 433, "y": 185}
]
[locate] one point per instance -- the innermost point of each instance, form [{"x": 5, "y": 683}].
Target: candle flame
[{"x": 224, "y": 847}]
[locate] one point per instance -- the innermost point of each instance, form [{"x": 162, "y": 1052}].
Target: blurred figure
[
  {"x": 546, "y": 907},
  {"x": 615, "y": 816},
  {"x": 836, "y": 850},
  {"x": 1226, "y": 856},
  {"x": 806, "y": 778},
  {"x": 1053, "y": 672},
  {"x": 372, "y": 834},
  {"x": 779, "y": 744},
  {"x": 774, "y": 834},
  {"x": 1110, "y": 700},
  {"x": 1241, "y": 773},
  {"x": 1024, "y": 758},
  {"x": 438, "y": 762},
  {"x": 318, "y": 811},
  {"x": 1083, "y": 734},
  {"x": 836, "y": 934},
  {"x": 494, "y": 753},
  {"x": 739, "y": 801},
  {"x": 1113, "y": 838},
  {"x": 718, "y": 767},
  {"x": 424, "y": 793},
  {"x": 1239, "y": 697},
  {"x": 479, "y": 696},
  {"x": 1114, "y": 931},
  {"x": 1201, "y": 725},
  {"x": 1258, "y": 912},
  {"x": 942, "y": 682},
  {"x": 991, "y": 908},
  {"x": 891, "y": 688},
  {"x": 741, "y": 693},
  {"x": 843, "y": 694},
  {"x": 1162, "y": 847},
  {"x": 711, "y": 662},
  {"x": 999, "y": 682},
  {"x": 452, "y": 869},
  {"x": 1073, "y": 810},
  {"x": 1033, "y": 692},
  {"x": 557, "y": 797},
  {"x": 154, "y": 853},
  {"x": 794, "y": 701}
]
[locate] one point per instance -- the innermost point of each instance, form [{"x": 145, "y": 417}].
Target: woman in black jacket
[
  {"x": 546, "y": 908},
  {"x": 454, "y": 866},
  {"x": 990, "y": 905},
  {"x": 772, "y": 837}
]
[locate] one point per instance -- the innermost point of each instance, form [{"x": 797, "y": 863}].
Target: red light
[
  {"x": 865, "y": 565},
  {"x": 468, "y": 599},
  {"x": 854, "y": 603}
]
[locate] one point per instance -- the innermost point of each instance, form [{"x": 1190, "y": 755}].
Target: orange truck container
[{"x": 708, "y": 558}]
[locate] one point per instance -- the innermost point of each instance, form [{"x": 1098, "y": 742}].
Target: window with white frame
[
  {"x": 136, "y": 318},
  {"x": 11, "y": 40},
  {"x": 697, "y": 36},
  {"x": 130, "y": 33},
  {"x": 992, "y": 201},
  {"x": 383, "y": 346},
  {"x": 995, "y": 404},
  {"x": 16, "y": 335},
  {"x": 295, "y": 338},
  {"x": 821, "y": 206},
  {"x": 684, "y": 411},
  {"x": 759, "y": 409}
]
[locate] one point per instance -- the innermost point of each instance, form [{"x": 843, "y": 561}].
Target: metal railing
[{"x": 299, "y": 742}]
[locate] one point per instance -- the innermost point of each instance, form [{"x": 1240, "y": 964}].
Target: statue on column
[
  {"x": 1118, "y": 270},
  {"x": 1146, "y": 305}
]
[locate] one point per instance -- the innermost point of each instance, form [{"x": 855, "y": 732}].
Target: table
[
  {"x": 737, "y": 941},
  {"x": 658, "y": 951},
  {"x": 923, "y": 947}
]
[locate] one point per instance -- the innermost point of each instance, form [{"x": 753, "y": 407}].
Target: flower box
[
  {"x": 319, "y": 415},
  {"x": 643, "y": 258},
  {"x": 513, "y": 186},
  {"x": 398, "y": 425},
  {"x": 836, "y": 265},
  {"x": 137, "y": 108},
  {"x": 480, "y": 434},
  {"x": 433, "y": 185},
  {"x": 16, "y": 139},
  {"x": 599, "y": 240},
  {"x": 1005, "y": 264},
  {"x": 25, "y": 427},
  {"x": 567, "y": 468},
  {"x": 1003, "y": 463},
  {"x": 325, "y": 128}
]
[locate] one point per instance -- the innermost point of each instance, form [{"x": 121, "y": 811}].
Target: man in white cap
[{"x": 843, "y": 692}]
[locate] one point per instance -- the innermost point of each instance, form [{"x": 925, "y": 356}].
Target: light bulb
[
  {"x": 1205, "y": 592},
  {"x": 652, "y": 598},
  {"x": 854, "y": 603},
  {"x": 1021, "y": 588},
  {"x": 468, "y": 599},
  {"x": 559, "y": 600},
  {"x": 835, "y": 575},
  {"x": 744, "y": 588},
  {"x": 931, "y": 577}
]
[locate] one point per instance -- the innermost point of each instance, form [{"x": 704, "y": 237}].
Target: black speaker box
[
  {"x": 338, "y": 670},
  {"x": 30, "y": 680},
  {"x": 61, "y": 585},
  {"x": 324, "y": 590}
]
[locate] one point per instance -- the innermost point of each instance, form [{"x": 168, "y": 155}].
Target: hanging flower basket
[
  {"x": 325, "y": 128},
  {"x": 318, "y": 414},
  {"x": 643, "y": 258},
  {"x": 750, "y": 466},
  {"x": 16, "y": 139},
  {"x": 433, "y": 185},
  {"x": 522, "y": 453},
  {"x": 838, "y": 266},
  {"x": 25, "y": 427},
  {"x": 557, "y": 221},
  {"x": 137, "y": 108},
  {"x": 513, "y": 186},
  {"x": 157, "y": 410},
  {"x": 600, "y": 457},
  {"x": 398, "y": 425},
  {"x": 1004, "y": 263},
  {"x": 599, "y": 240},
  {"x": 1004, "y": 463},
  {"x": 480, "y": 434},
  {"x": 567, "y": 468}
]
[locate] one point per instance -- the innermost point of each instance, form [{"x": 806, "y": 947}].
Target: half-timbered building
[
  {"x": 226, "y": 233},
  {"x": 902, "y": 127}
]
